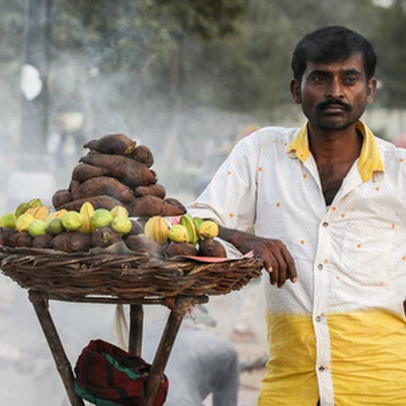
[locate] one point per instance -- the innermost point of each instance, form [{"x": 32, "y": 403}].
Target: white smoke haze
[
  {"x": 188, "y": 143},
  {"x": 168, "y": 104},
  {"x": 191, "y": 141}
]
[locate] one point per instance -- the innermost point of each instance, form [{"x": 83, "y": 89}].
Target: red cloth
[{"x": 107, "y": 372}]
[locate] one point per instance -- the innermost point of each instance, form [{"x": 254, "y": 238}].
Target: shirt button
[
  {"x": 320, "y": 266},
  {"x": 321, "y": 369},
  {"x": 325, "y": 224},
  {"x": 318, "y": 318}
]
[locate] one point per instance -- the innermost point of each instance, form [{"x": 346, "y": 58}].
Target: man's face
[{"x": 334, "y": 95}]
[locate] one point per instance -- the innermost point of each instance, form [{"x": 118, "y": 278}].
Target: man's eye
[
  {"x": 319, "y": 79},
  {"x": 350, "y": 80}
]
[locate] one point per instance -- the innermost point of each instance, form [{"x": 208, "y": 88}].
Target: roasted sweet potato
[
  {"x": 129, "y": 171},
  {"x": 154, "y": 189},
  {"x": 175, "y": 202},
  {"x": 105, "y": 185},
  {"x": 169, "y": 210},
  {"x": 210, "y": 247},
  {"x": 43, "y": 241},
  {"x": 142, "y": 154},
  {"x": 137, "y": 228},
  {"x": 6, "y": 236},
  {"x": 104, "y": 237},
  {"x": 145, "y": 206},
  {"x": 74, "y": 186},
  {"x": 112, "y": 144},
  {"x": 98, "y": 202},
  {"x": 176, "y": 248},
  {"x": 61, "y": 197},
  {"x": 142, "y": 245},
  {"x": 148, "y": 206},
  {"x": 72, "y": 241},
  {"x": 82, "y": 172},
  {"x": 21, "y": 239}
]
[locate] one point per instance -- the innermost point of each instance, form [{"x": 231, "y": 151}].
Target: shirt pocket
[{"x": 366, "y": 252}]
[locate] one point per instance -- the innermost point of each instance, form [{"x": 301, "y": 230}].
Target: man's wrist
[{"x": 232, "y": 236}]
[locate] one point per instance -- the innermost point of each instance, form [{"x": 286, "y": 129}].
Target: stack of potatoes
[
  {"x": 117, "y": 172},
  {"x": 109, "y": 186}
]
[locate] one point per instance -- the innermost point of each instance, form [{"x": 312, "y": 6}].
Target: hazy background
[{"x": 186, "y": 78}]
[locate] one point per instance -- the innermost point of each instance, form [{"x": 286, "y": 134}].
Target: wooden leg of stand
[
  {"x": 40, "y": 303},
  {"x": 165, "y": 348},
  {"x": 136, "y": 329}
]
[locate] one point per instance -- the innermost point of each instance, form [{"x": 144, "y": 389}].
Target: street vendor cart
[{"x": 113, "y": 278}]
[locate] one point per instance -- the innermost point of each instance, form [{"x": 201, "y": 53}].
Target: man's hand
[{"x": 276, "y": 257}]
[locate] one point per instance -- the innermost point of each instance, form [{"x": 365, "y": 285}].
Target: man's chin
[{"x": 334, "y": 125}]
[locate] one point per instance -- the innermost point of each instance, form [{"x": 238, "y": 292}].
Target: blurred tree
[
  {"x": 163, "y": 45},
  {"x": 147, "y": 40},
  {"x": 252, "y": 71},
  {"x": 390, "y": 40},
  {"x": 207, "y": 20},
  {"x": 228, "y": 54}
]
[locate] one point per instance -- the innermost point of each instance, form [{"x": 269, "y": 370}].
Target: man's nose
[{"x": 335, "y": 89}]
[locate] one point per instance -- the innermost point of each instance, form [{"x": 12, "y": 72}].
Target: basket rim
[{"x": 74, "y": 275}]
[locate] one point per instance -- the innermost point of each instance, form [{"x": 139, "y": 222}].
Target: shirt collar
[{"x": 369, "y": 163}]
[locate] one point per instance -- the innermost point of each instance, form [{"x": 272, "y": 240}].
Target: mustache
[{"x": 337, "y": 102}]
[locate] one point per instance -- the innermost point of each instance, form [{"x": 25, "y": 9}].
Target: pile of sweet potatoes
[{"x": 116, "y": 171}]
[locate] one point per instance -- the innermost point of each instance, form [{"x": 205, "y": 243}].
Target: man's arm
[{"x": 276, "y": 257}]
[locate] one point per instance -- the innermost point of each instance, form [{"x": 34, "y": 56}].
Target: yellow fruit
[
  {"x": 37, "y": 227},
  {"x": 192, "y": 235},
  {"x": 87, "y": 211},
  {"x": 41, "y": 213},
  {"x": 55, "y": 226},
  {"x": 32, "y": 210},
  {"x": 8, "y": 220},
  {"x": 119, "y": 211},
  {"x": 55, "y": 215},
  {"x": 24, "y": 221},
  {"x": 36, "y": 202},
  {"x": 178, "y": 233},
  {"x": 59, "y": 214},
  {"x": 50, "y": 217},
  {"x": 157, "y": 229},
  {"x": 21, "y": 209},
  {"x": 121, "y": 225},
  {"x": 208, "y": 229},
  {"x": 197, "y": 221},
  {"x": 101, "y": 218},
  {"x": 72, "y": 220}
]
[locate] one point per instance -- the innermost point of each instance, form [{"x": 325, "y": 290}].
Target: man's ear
[
  {"x": 371, "y": 87},
  {"x": 295, "y": 90}
]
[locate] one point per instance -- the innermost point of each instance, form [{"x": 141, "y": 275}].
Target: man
[{"x": 327, "y": 205}]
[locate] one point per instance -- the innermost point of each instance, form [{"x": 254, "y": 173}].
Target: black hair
[{"x": 329, "y": 44}]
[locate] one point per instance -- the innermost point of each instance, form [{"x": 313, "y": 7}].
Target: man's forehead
[{"x": 354, "y": 62}]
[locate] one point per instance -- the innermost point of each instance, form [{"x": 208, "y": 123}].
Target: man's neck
[
  {"x": 335, "y": 146},
  {"x": 334, "y": 153}
]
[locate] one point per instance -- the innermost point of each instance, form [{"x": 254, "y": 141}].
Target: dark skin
[
  {"x": 332, "y": 173},
  {"x": 333, "y": 97},
  {"x": 276, "y": 257}
]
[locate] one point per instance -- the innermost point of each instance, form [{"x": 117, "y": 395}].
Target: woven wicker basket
[{"x": 70, "y": 276}]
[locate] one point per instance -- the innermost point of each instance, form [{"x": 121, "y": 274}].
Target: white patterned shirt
[{"x": 339, "y": 333}]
